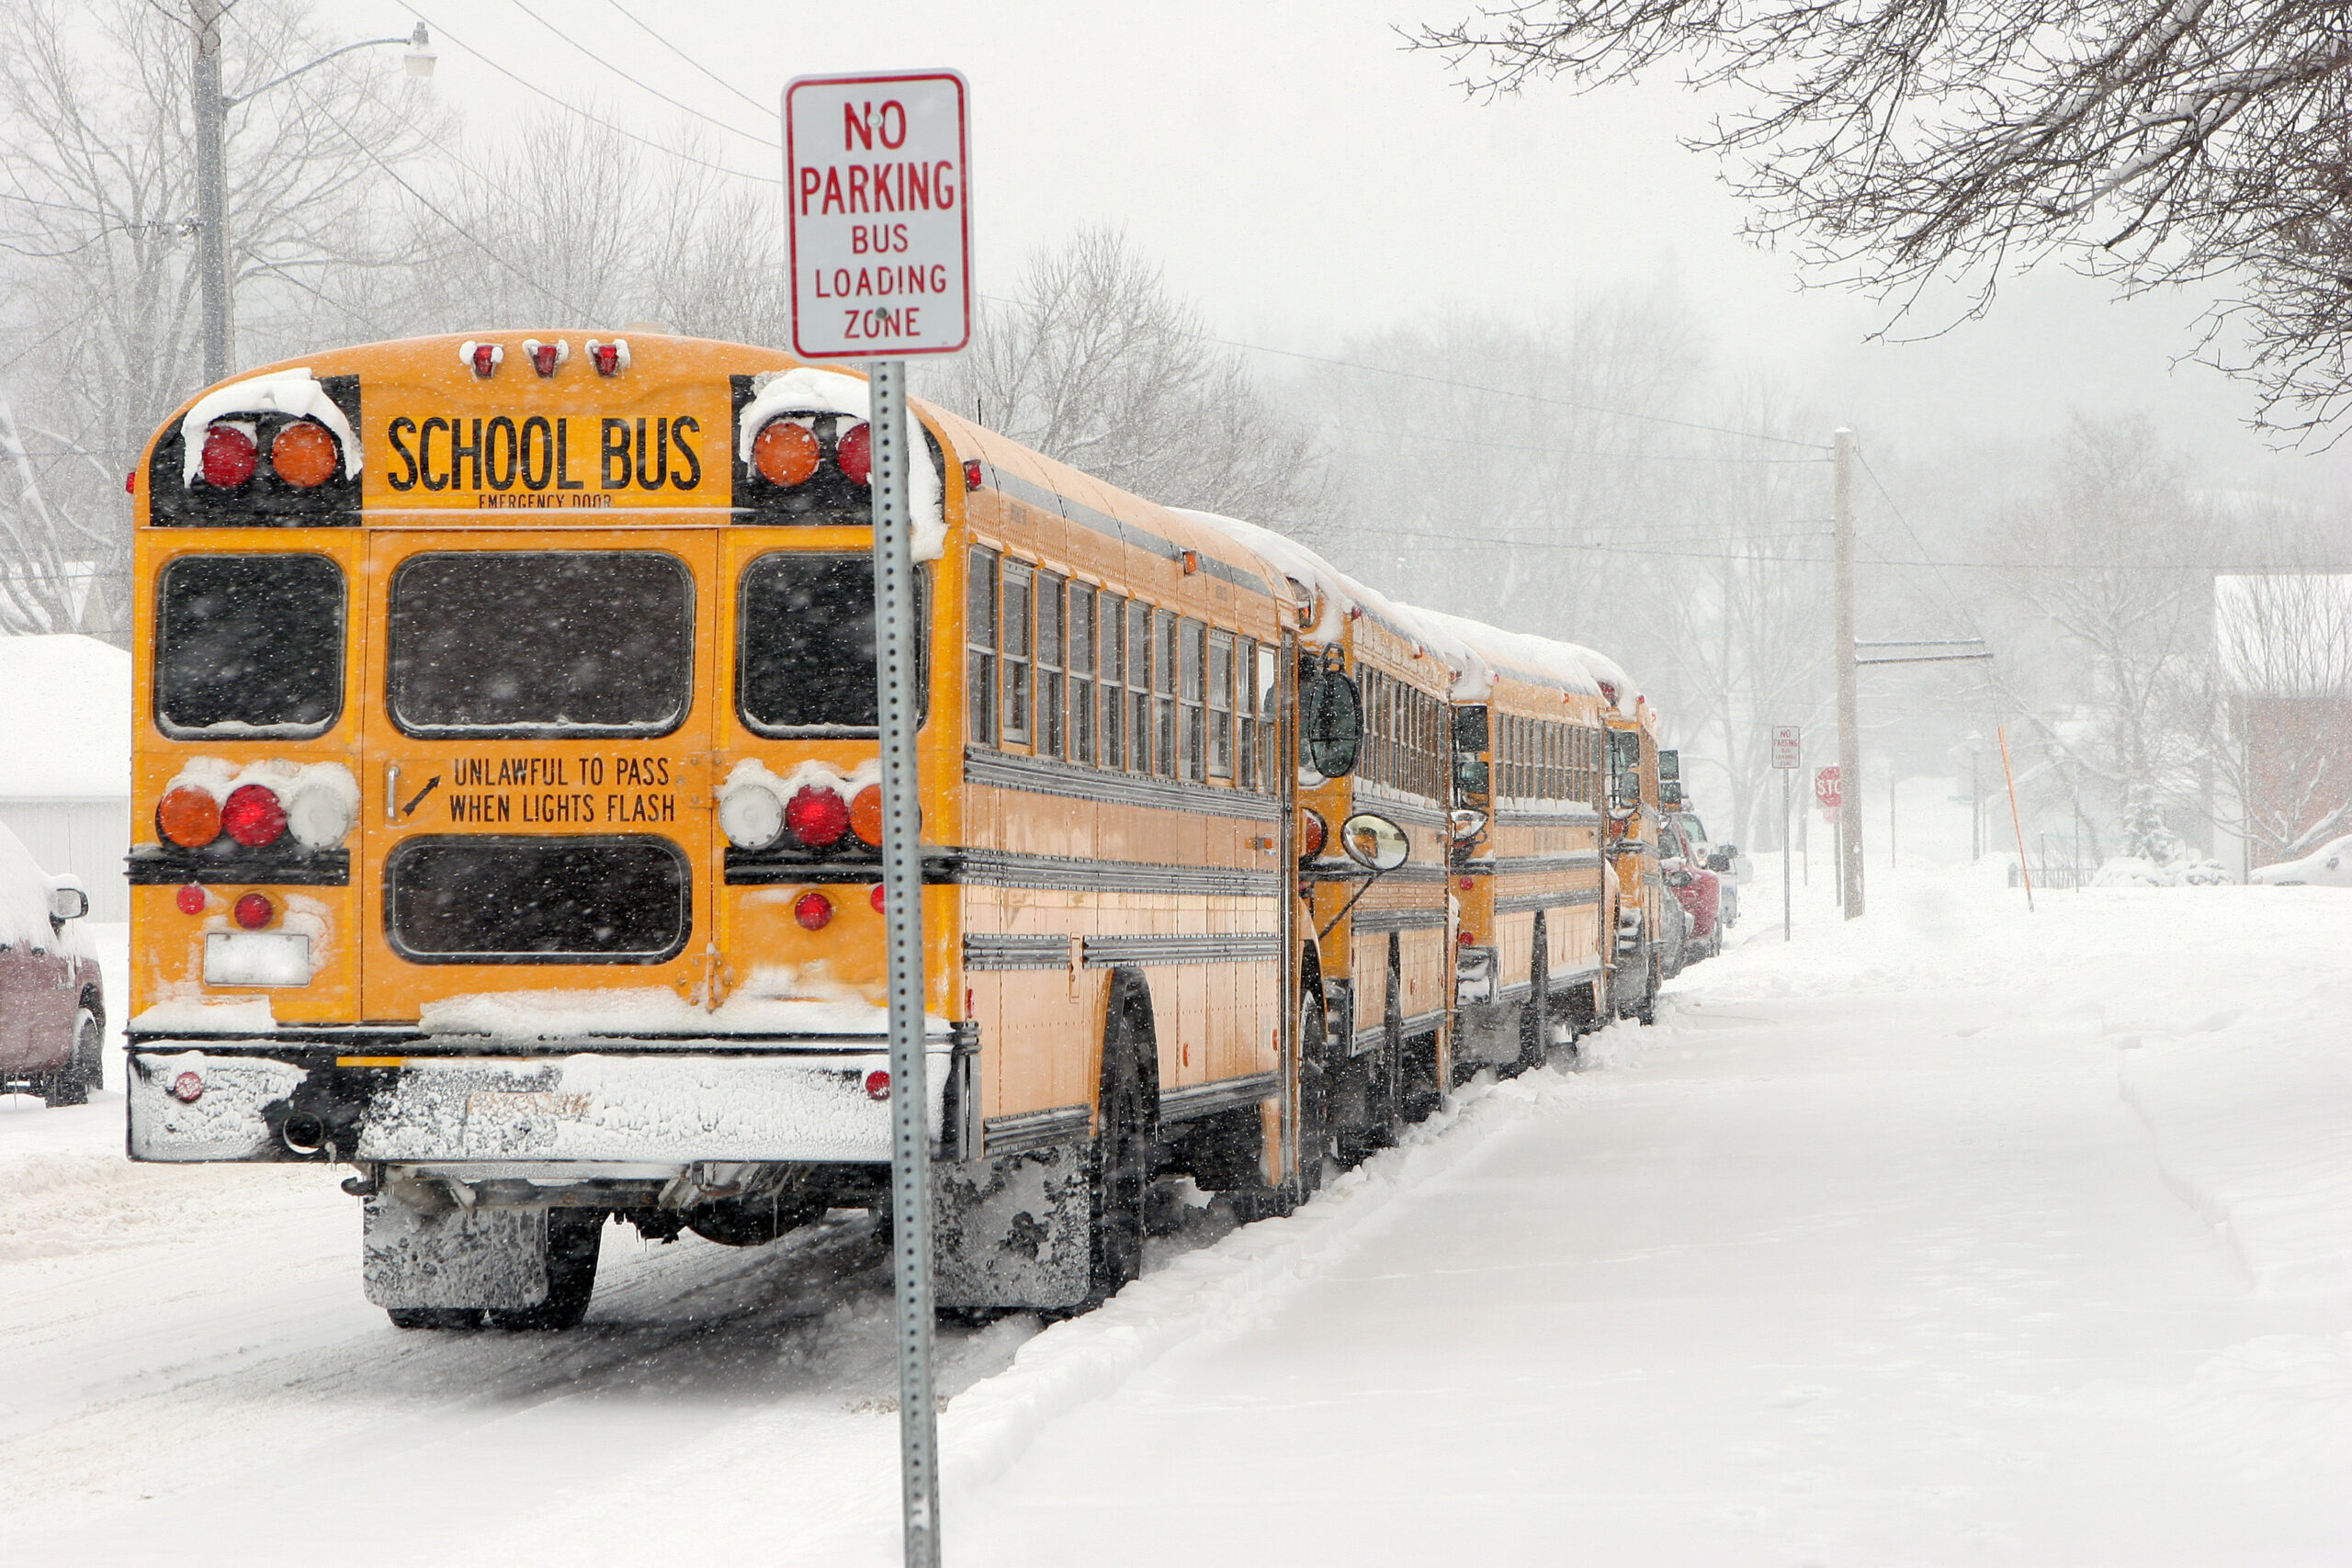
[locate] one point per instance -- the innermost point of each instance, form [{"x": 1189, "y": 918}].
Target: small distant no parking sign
[{"x": 877, "y": 187}]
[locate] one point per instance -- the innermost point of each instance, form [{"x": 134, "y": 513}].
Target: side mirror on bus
[
  {"x": 1624, "y": 772},
  {"x": 1330, "y": 723},
  {"x": 1669, "y": 767},
  {"x": 1374, "y": 842}
]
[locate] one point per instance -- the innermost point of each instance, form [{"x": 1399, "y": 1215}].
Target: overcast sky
[{"x": 1303, "y": 177}]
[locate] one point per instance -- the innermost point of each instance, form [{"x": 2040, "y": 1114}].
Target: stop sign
[{"x": 1825, "y": 787}]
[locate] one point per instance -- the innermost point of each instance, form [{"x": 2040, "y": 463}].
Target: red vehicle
[
  {"x": 1699, "y": 889},
  {"x": 52, "y": 1004}
]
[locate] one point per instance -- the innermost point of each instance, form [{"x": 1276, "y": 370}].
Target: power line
[
  {"x": 1942, "y": 582},
  {"x": 673, "y": 49},
  {"x": 1495, "y": 391},
  {"x": 632, "y": 81},
  {"x": 571, "y": 107}
]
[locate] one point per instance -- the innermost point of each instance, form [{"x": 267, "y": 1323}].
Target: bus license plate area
[{"x": 802, "y": 1104}]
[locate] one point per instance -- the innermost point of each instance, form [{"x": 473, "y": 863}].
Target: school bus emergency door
[{"x": 536, "y": 799}]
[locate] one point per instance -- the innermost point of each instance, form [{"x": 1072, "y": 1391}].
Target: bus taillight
[
  {"x": 253, "y": 912},
  {"x": 230, "y": 453},
  {"x": 865, "y": 816},
  {"x": 188, "y": 816},
  {"x": 302, "y": 453},
  {"x": 785, "y": 452},
  {"x": 855, "y": 452},
  {"x": 252, "y": 815},
  {"x": 818, "y": 816},
  {"x": 814, "y": 911}
]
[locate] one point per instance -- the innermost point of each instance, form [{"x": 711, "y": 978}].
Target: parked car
[
  {"x": 1697, "y": 888},
  {"x": 2330, "y": 865},
  {"x": 52, "y": 1003}
]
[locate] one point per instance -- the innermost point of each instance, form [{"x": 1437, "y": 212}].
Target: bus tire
[
  {"x": 1122, "y": 1168},
  {"x": 1316, "y": 1093},
  {"x": 574, "y": 1238},
  {"x": 1421, "y": 1092},
  {"x": 447, "y": 1319},
  {"x": 1534, "y": 1019}
]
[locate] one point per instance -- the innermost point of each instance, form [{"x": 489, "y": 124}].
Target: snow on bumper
[{"x": 202, "y": 1101}]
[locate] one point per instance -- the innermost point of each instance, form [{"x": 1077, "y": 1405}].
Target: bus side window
[
  {"x": 1220, "y": 705},
  {"x": 1139, "y": 687},
  {"x": 1245, "y": 712},
  {"x": 1081, "y": 672},
  {"x": 1111, "y": 669},
  {"x": 1268, "y": 756},
  {"x": 1163, "y": 638},
  {"x": 1190, "y": 655},
  {"x": 980, "y": 634},
  {"x": 1049, "y": 664},
  {"x": 1012, "y": 648}
]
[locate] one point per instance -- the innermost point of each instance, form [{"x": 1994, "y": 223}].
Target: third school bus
[{"x": 505, "y": 759}]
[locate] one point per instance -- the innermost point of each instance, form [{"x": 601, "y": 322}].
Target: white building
[{"x": 66, "y": 760}]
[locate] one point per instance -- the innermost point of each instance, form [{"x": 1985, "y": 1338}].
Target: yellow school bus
[
  {"x": 1375, "y": 973},
  {"x": 505, "y": 758},
  {"x": 1535, "y": 956}
]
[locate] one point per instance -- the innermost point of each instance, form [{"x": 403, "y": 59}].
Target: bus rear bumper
[{"x": 218, "y": 1100}]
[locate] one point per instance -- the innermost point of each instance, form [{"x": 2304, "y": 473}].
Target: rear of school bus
[{"x": 504, "y": 761}]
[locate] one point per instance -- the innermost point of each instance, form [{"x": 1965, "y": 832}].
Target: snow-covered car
[
  {"x": 52, "y": 1004},
  {"x": 2330, "y": 865},
  {"x": 1697, "y": 888},
  {"x": 1720, "y": 858}
]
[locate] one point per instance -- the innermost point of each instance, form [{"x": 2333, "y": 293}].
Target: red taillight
[
  {"x": 252, "y": 815},
  {"x": 609, "y": 358},
  {"x": 131, "y": 482},
  {"x": 486, "y": 356},
  {"x": 546, "y": 356},
  {"x": 814, "y": 911},
  {"x": 229, "y": 455},
  {"x": 855, "y": 453},
  {"x": 865, "y": 816},
  {"x": 785, "y": 452},
  {"x": 1465, "y": 938},
  {"x": 303, "y": 453},
  {"x": 190, "y": 899},
  {"x": 1313, "y": 834},
  {"x": 188, "y": 816},
  {"x": 875, "y": 898},
  {"x": 816, "y": 816},
  {"x": 878, "y": 1084},
  {"x": 972, "y": 475},
  {"x": 253, "y": 912},
  {"x": 187, "y": 1088}
]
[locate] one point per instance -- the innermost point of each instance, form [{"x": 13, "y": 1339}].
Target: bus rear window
[
  {"x": 806, "y": 645},
  {"x": 541, "y": 642},
  {"x": 486, "y": 899},
  {"x": 249, "y": 645}
]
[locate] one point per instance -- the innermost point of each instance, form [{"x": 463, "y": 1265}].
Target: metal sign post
[
  {"x": 877, "y": 184},
  {"x": 1788, "y": 747}
]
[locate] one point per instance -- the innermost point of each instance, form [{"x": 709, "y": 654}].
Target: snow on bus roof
[
  {"x": 65, "y": 709},
  {"x": 1527, "y": 655},
  {"x": 1336, "y": 594}
]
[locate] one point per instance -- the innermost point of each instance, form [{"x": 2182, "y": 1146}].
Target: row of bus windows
[
  {"x": 1082, "y": 675},
  {"x": 1538, "y": 760},
  {"x": 1404, "y": 737},
  {"x": 483, "y": 643}
]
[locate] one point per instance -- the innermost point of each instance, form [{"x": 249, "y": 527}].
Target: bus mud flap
[
  {"x": 454, "y": 1258},
  {"x": 1011, "y": 1231}
]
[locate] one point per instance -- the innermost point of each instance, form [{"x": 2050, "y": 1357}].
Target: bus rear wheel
[
  {"x": 574, "y": 1237},
  {"x": 1122, "y": 1153}
]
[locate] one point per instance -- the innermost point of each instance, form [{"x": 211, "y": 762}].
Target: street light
[{"x": 211, "y": 164}]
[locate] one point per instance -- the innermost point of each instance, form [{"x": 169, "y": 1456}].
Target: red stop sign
[{"x": 1825, "y": 787}]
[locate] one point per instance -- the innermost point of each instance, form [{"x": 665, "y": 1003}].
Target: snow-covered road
[{"x": 1954, "y": 1235}]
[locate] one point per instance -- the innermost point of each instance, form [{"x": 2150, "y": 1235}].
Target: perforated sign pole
[
  {"x": 1787, "y": 745},
  {"x": 880, "y": 225}
]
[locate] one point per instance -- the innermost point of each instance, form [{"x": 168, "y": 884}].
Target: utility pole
[
  {"x": 1849, "y": 728},
  {"x": 211, "y": 189}
]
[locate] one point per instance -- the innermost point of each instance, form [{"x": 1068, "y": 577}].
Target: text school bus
[{"x": 507, "y": 754}]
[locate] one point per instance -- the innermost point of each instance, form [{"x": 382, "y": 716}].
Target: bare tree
[
  {"x": 2158, "y": 140},
  {"x": 98, "y": 190},
  {"x": 2109, "y": 618},
  {"x": 1096, "y": 363}
]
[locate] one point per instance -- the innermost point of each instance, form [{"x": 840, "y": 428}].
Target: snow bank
[
  {"x": 290, "y": 392},
  {"x": 2123, "y": 871},
  {"x": 66, "y": 700},
  {"x": 807, "y": 389}
]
